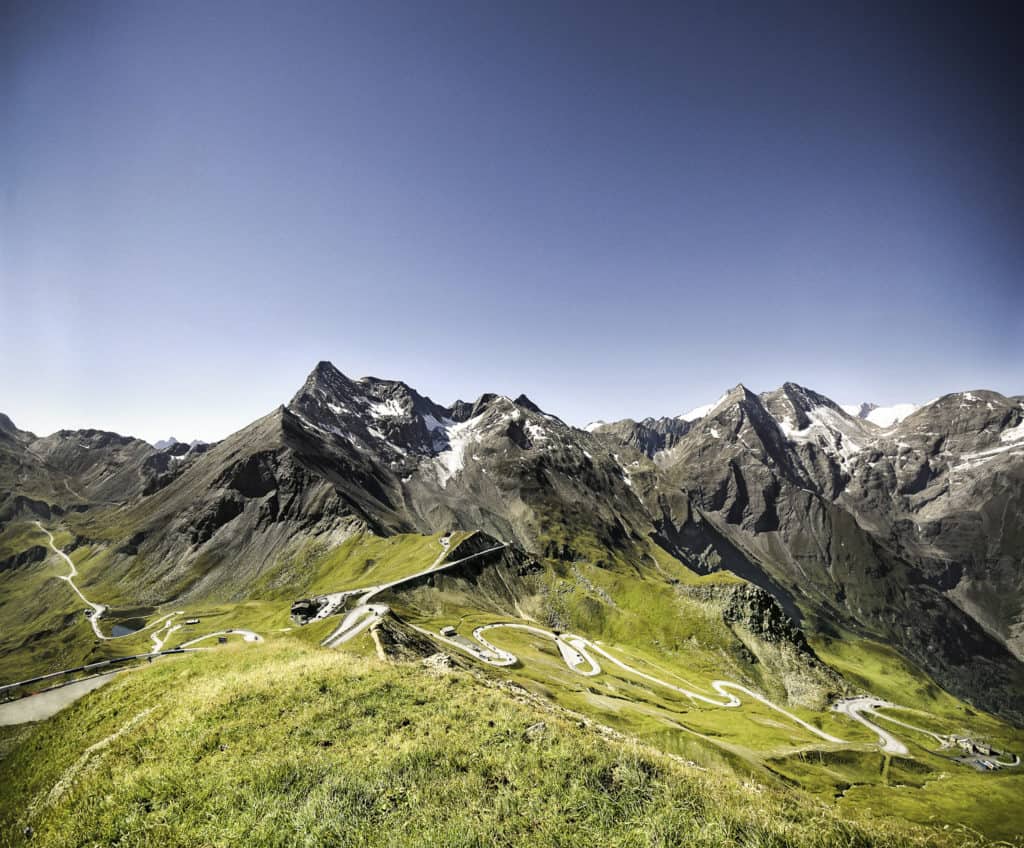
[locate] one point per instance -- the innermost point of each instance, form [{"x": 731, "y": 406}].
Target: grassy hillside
[
  {"x": 649, "y": 609},
  {"x": 282, "y": 744},
  {"x": 44, "y": 629},
  {"x": 643, "y": 612}
]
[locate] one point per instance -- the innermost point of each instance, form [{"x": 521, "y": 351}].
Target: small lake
[{"x": 126, "y": 628}]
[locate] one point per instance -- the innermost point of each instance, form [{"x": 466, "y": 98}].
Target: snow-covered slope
[
  {"x": 699, "y": 412},
  {"x": 881, "y": 416}
]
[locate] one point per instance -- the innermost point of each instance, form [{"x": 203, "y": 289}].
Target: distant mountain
[
  {"x": 908, "y": 532},
  {"x": 172, "y": 444},
  {"x": 883, "y": 416}
]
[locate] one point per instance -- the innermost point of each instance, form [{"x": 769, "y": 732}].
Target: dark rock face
[
  {"x": 305, "y": 608},
  {"x": 395, "y": 640},
  {"x": 37, "y": 553},
  {"x": 762, "y": 615},
  {"x": 650, "y": 436}
]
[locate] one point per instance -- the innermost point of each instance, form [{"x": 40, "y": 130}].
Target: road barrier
[{"x": 11, "y": 687}]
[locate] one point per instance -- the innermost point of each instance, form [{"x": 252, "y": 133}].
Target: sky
[{"x": 618, "y": 209}]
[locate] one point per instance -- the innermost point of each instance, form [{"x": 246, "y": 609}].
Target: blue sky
[{"x": 620, "y": 210}]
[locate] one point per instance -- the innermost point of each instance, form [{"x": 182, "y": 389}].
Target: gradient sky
[{"x": 620, "y": 210}]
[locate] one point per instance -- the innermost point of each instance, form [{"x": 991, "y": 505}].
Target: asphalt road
[
  {"x": 164, "y": 624},
  {"x": 578, "y": 654},
  {"x": 247, "y": 636},
  {"x": 855, "y": 708},
  {"x": 46, "y": 704},
  {"x": 366, "y": 613}
]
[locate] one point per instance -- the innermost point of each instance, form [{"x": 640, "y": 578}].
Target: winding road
[
  {"x": 97, "y": 609},
  {"x": 363, "y": 615},
  {"x": 576, "y": 651},
  {"x": 855, "y": 708},
  {"x": 165, "y": 624},
  {"x": 581, "y": 656}
]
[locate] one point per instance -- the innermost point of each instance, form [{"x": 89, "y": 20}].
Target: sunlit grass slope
[{"x": 282, "y": 745}]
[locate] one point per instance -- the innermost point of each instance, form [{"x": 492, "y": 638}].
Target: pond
[{"x": 128, "y": 626}]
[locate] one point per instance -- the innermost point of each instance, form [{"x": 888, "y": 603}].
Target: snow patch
[
  {"x": 887, "y": 416},
  {"x": 973, "y": 460},
  {"x": 432, "y": 424},
  {"x": 452, "y": 459},
  {"x": 1013, "y": 434},
  {"x": 536, "y": 432},
  {"x": 702, "y": 411},
  {"x": 390, "y": 408},
  {"x": 625, "y": 473},
  {"x": 825, "y": 430}
]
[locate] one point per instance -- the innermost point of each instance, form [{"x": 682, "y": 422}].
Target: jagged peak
[
  {"x": 327, "y": 370},
  {"x": 326, "y": 377},
  {"x": 796, "y": 403},
  {"x": 738, "y": 394},
  {"x": 808, "y": 398},
  {"x": 487, "y": 401},
  {"x": 526, "y": 403}
]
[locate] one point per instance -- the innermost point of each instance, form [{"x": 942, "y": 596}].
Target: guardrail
[{"x": 10, "y": 687}]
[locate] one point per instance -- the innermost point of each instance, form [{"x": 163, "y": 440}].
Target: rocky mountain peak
[
  {"x": 799, "y": 405},
  {"x": 326, "y": 381},
  {"x": 526, "y": 403},
  {"x": 6, "y": 425},
  {"x": 738, "y": 395},
  {"x": 650, "y": 436}
]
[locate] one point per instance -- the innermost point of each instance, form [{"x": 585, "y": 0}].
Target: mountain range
[{"x": 908, "y": 533}]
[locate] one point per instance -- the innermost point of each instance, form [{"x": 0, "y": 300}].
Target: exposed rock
[
  {"x": 536, "y": 731},
  {"x": 36, "y": 553},
  {"x": 395, "y": 640},
  {"x": 774, "y": 641},
  {"x": 439, "y": 663}
]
